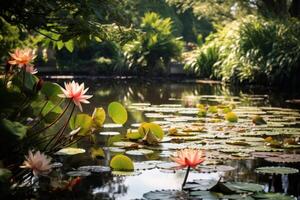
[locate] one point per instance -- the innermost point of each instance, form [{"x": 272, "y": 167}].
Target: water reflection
[{"x": 187, "y": 94}]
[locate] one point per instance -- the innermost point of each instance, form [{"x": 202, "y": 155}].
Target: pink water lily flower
[
  {"x": 21, "y": 57},
  {"x": 189, "y": 157},
  {"x": 38, "y": 162},
  {"x": 75, "y": 92}
]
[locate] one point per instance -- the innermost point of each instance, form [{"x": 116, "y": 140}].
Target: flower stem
[
  {"x": 46, "y": 127},
  {"x": 186, "y": 176}
]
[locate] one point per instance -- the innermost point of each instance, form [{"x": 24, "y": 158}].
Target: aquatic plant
[
  {"x": 38, "y": 162},
  {"x": 188, "y": 158}
]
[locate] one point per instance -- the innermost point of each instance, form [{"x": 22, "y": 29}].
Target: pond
[{"x": 233, "y": 150}]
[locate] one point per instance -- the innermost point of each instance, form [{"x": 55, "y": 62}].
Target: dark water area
[{"x": 157, "y": 92}]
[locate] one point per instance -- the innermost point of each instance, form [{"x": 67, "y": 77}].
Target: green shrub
[
  {"x": 252, "y": 50},
  {"x": 154, "y": 47}
]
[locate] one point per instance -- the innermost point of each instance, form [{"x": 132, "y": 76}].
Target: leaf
[
  {"x": 150, "y": 138},
  {"x": 276, "y": 170},
  {"x": 117, "y": 113},
  {"x": 83, "y": 121},
  {"x": 13, "y": 128},
  {"x": 133, "y": 134},
  {"x": 97, "y": 153},
  {"x": 70, "y": 151},
  {"x": 98, "y": 117},
  {"x": 165, "y": 194},
  {"x": 258, "y": 120},
  {"x": 240, "y": 187},
  {"x": 69, "y": 45},
  {"x": 154, "y": 128},
  {"x": 60, "y": 44},
  {"x": 272, "y": 196},
  {"x": 51, "y": 91},
  {"x": 121, "y": 163},
  {"x": 231, "y": 117}
]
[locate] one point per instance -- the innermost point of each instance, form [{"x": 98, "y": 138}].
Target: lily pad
[
  {"x": 165, "y": 194},
  {"x": 78, "y": 173},
  {"x": 121, "y": 163},
  {"x": 109, "y": 133},
  {"x": 276, "y": 170},
  {"x": 117, "y": 112},
  {"x": 273, "y": 196},
  {"x": 70, "y": 151},
  {"x": 95, "y": 169},
  {"x": 139, "y": 152},
  {"x": 242, "y": 187}
]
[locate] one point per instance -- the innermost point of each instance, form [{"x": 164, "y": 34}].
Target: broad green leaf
[
  {"x": 117, "y": 112},
  {"x": 231, "y": 117},
  {"x": 121, "y": 163},
  {"x": 60, "y": 44},
  {"x": 51, "y": 91},
  {"x": 83, "y": 121},
  {"x": 13, "y": 128},
  {"x": 69, "y": 45},
  {"x": 98, "y": 117},
  {"x": 154, "y": 128}
]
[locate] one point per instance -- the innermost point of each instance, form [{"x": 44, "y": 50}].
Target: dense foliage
[
  {"x": 155, "y": 47},
  {"x": 253, "y": 50}
]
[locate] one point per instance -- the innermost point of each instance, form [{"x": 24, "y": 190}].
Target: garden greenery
[
  {"x": 252, "y": 50},
  {"x": 154, "y": 47}
]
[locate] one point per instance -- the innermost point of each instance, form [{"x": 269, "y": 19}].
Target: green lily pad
[
  {"x": 117, "y": 112},
  {"x": 272, "y": 196},
  {"x": 121, "y": 163},
  {"x": 231, "y": 117},
  {"x": 139, "y": 152},
  {"x": 98, "y": 117},
  {"x": 276, "y": 170},
  {"x": 165, "y": 194},
  {"x": 242, "y": 187},
  {"x": 70, "y": 151}
]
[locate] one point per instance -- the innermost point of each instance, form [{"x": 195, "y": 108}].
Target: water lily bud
[{"x": 39, "y": 84}]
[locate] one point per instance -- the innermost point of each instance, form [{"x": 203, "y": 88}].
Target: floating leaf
[
  {"x": 150, "y": 138},
  {"x": 109, "y": 133},
  {"x": 231, "y": 117},
  {"x": 121, "y": 163},
  {"x": 117, "y": 112},
  {"x": 98, "y": 117},
  {"x": 201, "y": 184},
  {"x": 240, "y": 187},
  {"x": 272, "y": 196},
  {"x": 155, "y": 129},
  {"x": 95, "y": 169},
  {"x": 144, "y": 165},
  {"x": 70, "y": 151},
  {"x": 165, "y": 194},
  {"x": 78, "y": 173},
  {"x": 139, "y": 152},
  {"x": 126, "y": 173},
  {"x": 83, "y": 121},
  {"x": 207, "y": 195},
  {"x": 276, "y": 170},
  {"x": 133, "y": 134}
]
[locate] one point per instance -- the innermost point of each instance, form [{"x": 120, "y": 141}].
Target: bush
[
  {"x": 154, "y": 47},
  {"x": 253, "y": 50}
]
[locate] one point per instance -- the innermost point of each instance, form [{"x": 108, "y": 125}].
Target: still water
[{"x": 186, "y": 94}]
